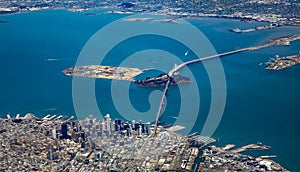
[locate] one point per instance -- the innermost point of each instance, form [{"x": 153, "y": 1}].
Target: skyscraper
[
  {"x": 133, "y": 124},
  {"x": 117, "y": 125},
  {"x": 140, "y": 131},
  {"x": 107, "y": 124},
  {"x": 64, "y": 131},
  {"x": 50, "y": 155},
  {"x": 102, "y": 126},
  {"x": 54, "y": 133},
  {"x": 147, "y": 128}
]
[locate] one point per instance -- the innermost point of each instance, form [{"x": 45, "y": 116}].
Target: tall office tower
[
  {"x": 102, "y": 127},
  {"x": 137, "y": 126},
  {"x": 125, "y": 126},
  {"x": 117, "y": 125},
  {"x": 54, "y": 133},
  {"x": 83, "y": 135},
  {"x": 107, "y": 122},
  {"x": 133, "y": 124},
  {"x": 147, "y": 128},
  {"x": 128, "y": 132},
  {"x": 140, "y": 131},
  {"x": 112, "y": 126},
  {"x": 143, "y": 128},
  {"x": 50, "y": 155},
  {"x": 64, "y": 131}
]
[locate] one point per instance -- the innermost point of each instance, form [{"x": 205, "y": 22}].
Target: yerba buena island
[{"x": 149, "y": 102}]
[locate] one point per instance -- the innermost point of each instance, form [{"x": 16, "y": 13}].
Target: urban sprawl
[
  {"x": 57, "y": 143},
  {"x": 282, "y": 12}
]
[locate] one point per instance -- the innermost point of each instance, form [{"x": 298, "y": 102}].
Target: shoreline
[{"x": 89, "y": 13}]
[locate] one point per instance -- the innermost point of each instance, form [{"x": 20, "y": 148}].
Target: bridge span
[
  {"x": 283, "y": 41},
  {"x": 182, "y": 65}
]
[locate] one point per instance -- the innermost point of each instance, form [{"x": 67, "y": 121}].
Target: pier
[{"x": 251, "y": 147}]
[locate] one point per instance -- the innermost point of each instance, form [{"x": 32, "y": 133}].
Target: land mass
[
  {"x": 283, "y": 12},
  {"x": 106, "y": 72},
  {"x": 279, "y": 63},
  {"x": 58, "y": 143},
  {"x": 124, "y": 73}
]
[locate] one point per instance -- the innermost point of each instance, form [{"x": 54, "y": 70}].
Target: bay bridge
[{"x": 273, "y": 42}]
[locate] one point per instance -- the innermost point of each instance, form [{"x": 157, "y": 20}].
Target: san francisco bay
[{"x": 260, "y": 106}]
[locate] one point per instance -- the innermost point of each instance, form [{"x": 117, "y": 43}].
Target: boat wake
[
  {"x": 50, "y": 109},
  {"x": 52, "y": 59}
]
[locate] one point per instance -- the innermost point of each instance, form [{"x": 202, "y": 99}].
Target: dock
[
  {"x": 8, "y": 116},
  {"x": 228, "y": 147},
  {"x": 268, "y": 156},
  {"x": 175, "y": 128},
  {"x": 251, "y": 147},
  {"x": 46, "y": 117}
]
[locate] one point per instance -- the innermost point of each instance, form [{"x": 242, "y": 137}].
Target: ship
[{"x": 162, "y": 80}]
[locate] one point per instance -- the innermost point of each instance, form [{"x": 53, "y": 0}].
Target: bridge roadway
[
  {"x": 182, "y": 65},
  {"x": 278, "y": 41}
]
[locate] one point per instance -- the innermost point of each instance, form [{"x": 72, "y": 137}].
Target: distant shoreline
[{"x": 89, "y": 13}]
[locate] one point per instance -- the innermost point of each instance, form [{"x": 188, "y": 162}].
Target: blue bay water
[{"x": 261, "y": 105}]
